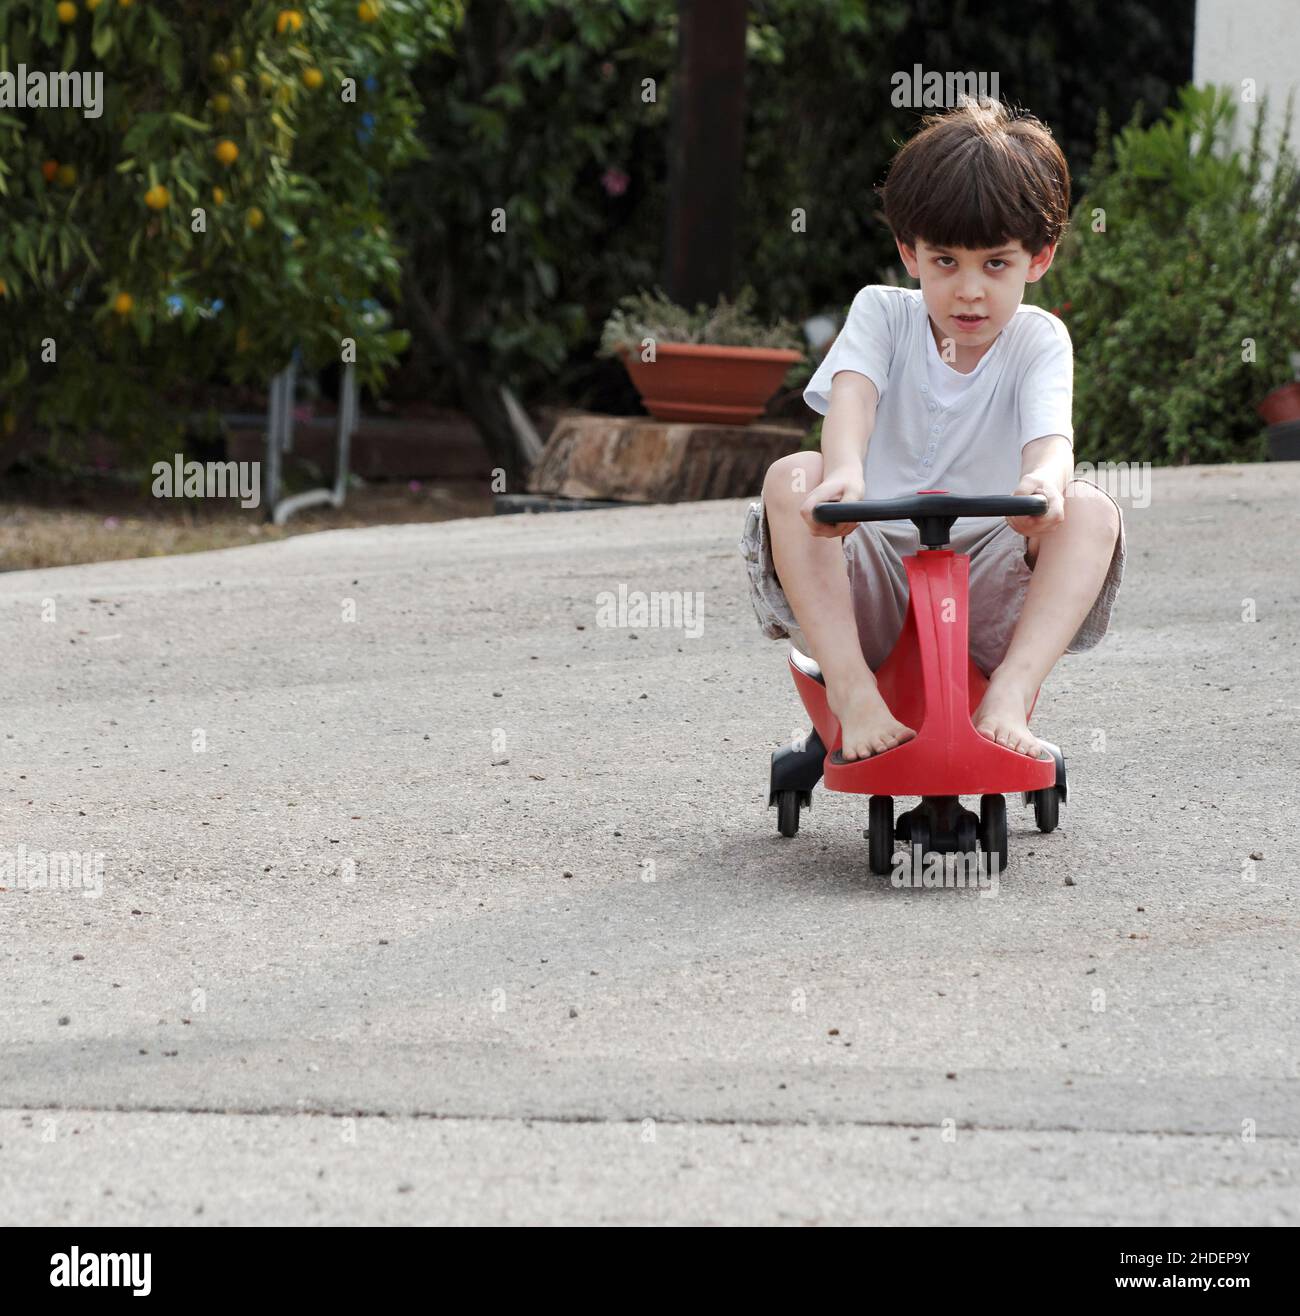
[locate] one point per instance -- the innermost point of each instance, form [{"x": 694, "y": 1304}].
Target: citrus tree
[{"x": 214, "y": 209}]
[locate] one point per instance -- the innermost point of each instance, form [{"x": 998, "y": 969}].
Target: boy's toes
[
  {"x": 1031, "y": 748},
  {"x": 892, "y": 739},
  {"x": 1013, "y": 740},
  {"x": 874, "y": 743}
]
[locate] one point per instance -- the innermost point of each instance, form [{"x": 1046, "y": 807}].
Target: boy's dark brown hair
[{"x": 979, "y": 176}]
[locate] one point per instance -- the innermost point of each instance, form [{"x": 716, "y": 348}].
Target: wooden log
[{"x": 639, "y": 459}]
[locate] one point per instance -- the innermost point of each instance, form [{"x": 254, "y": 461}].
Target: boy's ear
[
  {"x": 908, "y": 256},
  {"x": 1040, "y": 264}
]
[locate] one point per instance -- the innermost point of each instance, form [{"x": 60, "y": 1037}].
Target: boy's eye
[{"x": 997, "y": 262}]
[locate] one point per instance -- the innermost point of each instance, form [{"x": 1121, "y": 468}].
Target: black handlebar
[{"x": 933, "y": 513}]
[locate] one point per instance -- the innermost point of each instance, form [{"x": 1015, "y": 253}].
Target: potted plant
[{"x": 717, "y": 365}]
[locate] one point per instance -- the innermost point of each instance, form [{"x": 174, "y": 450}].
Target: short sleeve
[
  {"x": 865, "y": 344},
  {"x": 1046, "y": 392}
]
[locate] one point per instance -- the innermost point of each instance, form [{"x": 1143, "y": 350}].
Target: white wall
[{"x": 1259, "y": 39}]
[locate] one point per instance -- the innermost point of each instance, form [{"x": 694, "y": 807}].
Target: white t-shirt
[
  {"x": 962, "y": 433},
  {"x": 947, "y": 384}
]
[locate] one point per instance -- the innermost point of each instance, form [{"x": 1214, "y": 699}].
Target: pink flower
[
  {"x": 415, "y": 486},
  {"x": 110, "y": 523},
  {"x": 614, "y": 181}
]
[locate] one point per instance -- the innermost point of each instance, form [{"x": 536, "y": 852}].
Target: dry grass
[{"x": 47, "y": 530}]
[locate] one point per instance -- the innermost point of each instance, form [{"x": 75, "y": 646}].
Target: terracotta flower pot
[
  {"x": 1281, "y": 405},
  {"x": 709, "y": 383}
]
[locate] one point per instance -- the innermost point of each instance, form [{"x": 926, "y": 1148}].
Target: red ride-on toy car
[{"x": 931, "y": 684}]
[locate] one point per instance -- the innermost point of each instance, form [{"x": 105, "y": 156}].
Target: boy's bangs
[
  {"x": 972, "y": 204},
  {"x": 978, "y": 179}
]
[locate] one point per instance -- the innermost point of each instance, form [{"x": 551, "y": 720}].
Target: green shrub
[{"x": 1196, "y": 270}]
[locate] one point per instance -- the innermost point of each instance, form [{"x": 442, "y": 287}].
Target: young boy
[{"x": 954, "y": 386}]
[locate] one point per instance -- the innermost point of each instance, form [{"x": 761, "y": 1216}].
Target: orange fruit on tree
[
  {"x": 92, "y": 5},
  {"x": 254, "y": 217},
  {"x": 227, "y": 152},
  {"x": 67, "y": 175},
  {"x": 288, "y": 20},
  {"x": 218, "y": 196},
  {"x": 123, "y": 303},
  {"x": 312, "y": 78},
  {"x": 48, "y": 169},
  {"x": 4, "y": 288},
  {"x": 267, "y": 81},
  {"x": 367, "y": 12},
  {"x": 66, "y": 11},
  {"x": 221, "y": 103},
  {"x": 157, "y": 197}
]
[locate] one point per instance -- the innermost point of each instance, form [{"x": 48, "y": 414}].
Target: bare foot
[
  {"x": 1003, "y": 717},
  {"x": 867, "y": 726}
]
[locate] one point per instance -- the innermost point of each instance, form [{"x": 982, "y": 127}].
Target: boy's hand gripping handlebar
[{"x": 932, "y": 512}]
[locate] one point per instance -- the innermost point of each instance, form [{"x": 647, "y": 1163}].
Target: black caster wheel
[
  {"x": 1047, "y": 808},
  {"x": 787, "y": 812},
  {"x": 993, "y": 831},
  {"x": 920, "y": 844},
  {"x": 967, "y": 834},
  {"x": 880, "y": 834}
]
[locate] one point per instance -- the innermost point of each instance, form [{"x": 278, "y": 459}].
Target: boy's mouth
[{"x": 970, "y": 321}]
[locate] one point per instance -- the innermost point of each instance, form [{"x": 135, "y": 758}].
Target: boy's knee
[
  {"x": 790, "y": 479},
  {"x": 1093, "y": 507}
]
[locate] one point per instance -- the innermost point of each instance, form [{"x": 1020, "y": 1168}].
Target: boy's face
[{"x": 972, "y": 295}]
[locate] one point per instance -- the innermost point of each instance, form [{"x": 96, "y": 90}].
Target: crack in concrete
[{"x": 703, "y": 1121}]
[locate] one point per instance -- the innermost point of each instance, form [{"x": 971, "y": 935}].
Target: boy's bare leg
[
  {"x": 1070, "y": 564},
  {"x": 815, "y": 579}
]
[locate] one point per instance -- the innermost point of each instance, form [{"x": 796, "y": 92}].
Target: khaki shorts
[{"x": 874, "y": 552}]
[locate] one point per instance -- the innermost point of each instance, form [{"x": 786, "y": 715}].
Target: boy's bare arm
[
  {"x": 846, "y": 431},
  {"x": 1052, "y": 456},
  {"x": 1046, "y": 467},
  {"x": 850, "y": 419}
]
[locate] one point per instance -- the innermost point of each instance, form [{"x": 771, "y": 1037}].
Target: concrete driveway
[{"x": 424, "y": 896}]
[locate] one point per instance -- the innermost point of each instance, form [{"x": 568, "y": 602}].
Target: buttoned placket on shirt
[{"x": 935, "y": 428}]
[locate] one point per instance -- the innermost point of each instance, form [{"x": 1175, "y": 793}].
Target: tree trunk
[{"x": 706, "y": 151}]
